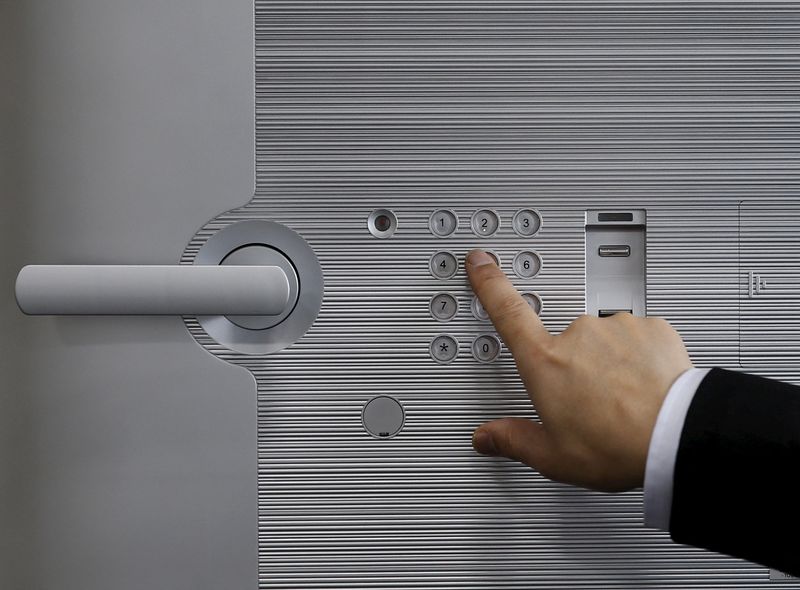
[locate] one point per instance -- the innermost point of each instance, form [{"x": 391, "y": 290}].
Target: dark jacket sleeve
[{"x": 735, "y": 486}]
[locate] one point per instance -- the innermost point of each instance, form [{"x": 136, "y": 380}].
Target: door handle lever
[{"x": 152, "y": 290}]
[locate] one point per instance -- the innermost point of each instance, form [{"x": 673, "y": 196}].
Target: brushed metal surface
[{"x": 683, "y": 109}]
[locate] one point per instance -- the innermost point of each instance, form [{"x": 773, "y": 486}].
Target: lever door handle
[{"x": 152, "y": 290}]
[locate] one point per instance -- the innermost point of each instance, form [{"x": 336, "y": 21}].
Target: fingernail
[
  {"x": 479, "y": 258},
  {"x": 483, "y": 443}
]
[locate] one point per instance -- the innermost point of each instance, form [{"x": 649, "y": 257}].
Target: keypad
[{"x": 445, "y": 306}]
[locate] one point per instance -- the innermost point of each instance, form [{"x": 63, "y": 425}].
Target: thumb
[{"x": 516, "y": 438}]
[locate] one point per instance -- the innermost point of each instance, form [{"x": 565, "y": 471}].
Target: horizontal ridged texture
[{"x": 682, "y": 108}]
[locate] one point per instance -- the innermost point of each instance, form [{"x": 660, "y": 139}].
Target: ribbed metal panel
[{"x": 682, "y": 108}]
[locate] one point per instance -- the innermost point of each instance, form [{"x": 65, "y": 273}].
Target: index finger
[{"x": 518, "y": 325}]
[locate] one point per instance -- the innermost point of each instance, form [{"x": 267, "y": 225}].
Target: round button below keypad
[
  {"x": 444, "y": 348},
  {"x": 443, "y": 265},
  {"x": 527, "y": 264},
  {"x": 486, "y": 348},
  {"x": 534, "y": 301},
  {"x": 478, "y": 310},
  {"x": 443, "y": 307},
  {"x": 443, "y": 222},
  {"x": 485, "y": 223},
  {"x": 526, "y": 222}
]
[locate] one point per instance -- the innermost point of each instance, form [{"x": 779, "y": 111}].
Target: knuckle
[{"x": 511, "y": 308}]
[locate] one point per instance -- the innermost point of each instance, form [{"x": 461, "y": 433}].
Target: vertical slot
[{"x": 615, "y": 262}]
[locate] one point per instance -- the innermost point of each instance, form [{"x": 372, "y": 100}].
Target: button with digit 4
[
  {"x": 485, "y": 223},
  {"x": 443, "y": 222},
  {"x": 443, "y": 264},
  {"x": 527, "y": 264},
  {"x": 486, "y": 348},
  {"x": 443, "y": 307},
  {"x": 526, "y": 222},
  {"x": 444, "y": 348}
]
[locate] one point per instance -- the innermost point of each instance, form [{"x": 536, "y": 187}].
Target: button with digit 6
[{"x": 527, "y": 264}]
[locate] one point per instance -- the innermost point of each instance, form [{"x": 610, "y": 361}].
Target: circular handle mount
[{"x": 258, "y": 242}]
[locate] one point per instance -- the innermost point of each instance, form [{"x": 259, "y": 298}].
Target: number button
[
  {"x": 444, "y": 348},
  {"x": 485, "y": 223},
  {"x": 443, "y": 265},
  {"x": 527, "y": 264},
  {"x": 486, "y": 348},
  {"x": 478, "y": 310},
  {"x": 534, "y": 301},
  {"x": 443, "y": 307},
  {"x": 526, "y": 222},
  {"x": 443, "y": 222}
]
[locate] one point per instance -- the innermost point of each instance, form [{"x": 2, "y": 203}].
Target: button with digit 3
[
  {"x": 526, "y": 222},
  {"x": 443, "y": 264},
  {"x": 443, "y": 222},
  {"x": 485, "y": 223},
  {"x": 478, "y": 310},
  {"x": 486, "y": 348},
  {"x": 527, "y": 264},
  {"x": 534, "y": 301},
  {"x": 444, "y": 348},
  {"x": 443, "y": 307}
]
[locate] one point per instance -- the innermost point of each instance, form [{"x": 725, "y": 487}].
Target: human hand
[{"x": 597, "y": 387}]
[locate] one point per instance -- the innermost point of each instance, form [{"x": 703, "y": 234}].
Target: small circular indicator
[
  {"x": 527, "y": 264},
  {"x": 382, "y": 223},
  {"x": 485, "y": 223},
  {"x": 526, "y": 222},
  {"x": 383, "y": 416},
  {"x": 443, "y": 222},
  {"x": 534, "y": 301},
  {"x": 486, "y": 348},
  {"x": 444, "y": 348},
  {"x": 443, "y": 265},
  {"x": 443, "y": 307}
]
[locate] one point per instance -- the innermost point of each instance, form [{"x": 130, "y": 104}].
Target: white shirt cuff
[{"x": 664, "y": 448}]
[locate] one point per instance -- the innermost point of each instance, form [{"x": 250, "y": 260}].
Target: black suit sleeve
[{"x": 734, "y": 488}]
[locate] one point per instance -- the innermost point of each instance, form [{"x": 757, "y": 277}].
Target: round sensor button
[
  {"x": 383, "y": 416},
  {"x": 534, "y": 301}
]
